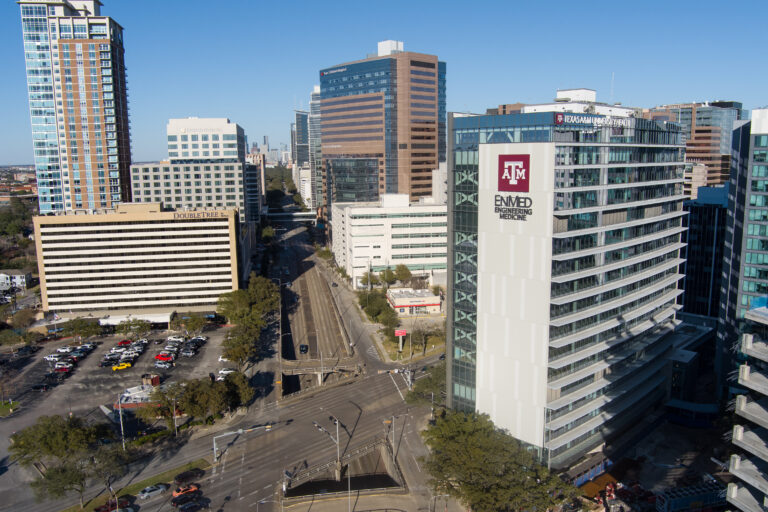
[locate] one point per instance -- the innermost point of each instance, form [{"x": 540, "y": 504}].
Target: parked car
[
  {"x": 303, "y": 349},
  {"x": 226, "y": 371},
  {"x": 185, "y": 489},
  {"x": 163, "y": 364},
  {"x": 111, "y": 506},
  {"x": 63, "y": 369},
  {"x": 152, "y": 490},
  {"x": 188, "y": 352},
  {"x": 180, "y": 339},
  {"x": 63, "y": 364},
  {"x": 164, "y": 356},
  {"x": 188, "y": 476},
  {"x": 223, "y": 359},
  {"x": 199, "y": 338},
  {"x": 88, "y": 346},
  {"x": 191, "y": 506},
  {"x": 143, "y": 341},
  {"x": 124, "y": 343},
  {"x": 115, "y": 350},
  {"x": 185, "y": 498},
  {"x": 64, "y": 350},
  {"x": 52, "y": 358},
  {"x": 41, "y": 387},
  {"x": 121, "y": 366}
]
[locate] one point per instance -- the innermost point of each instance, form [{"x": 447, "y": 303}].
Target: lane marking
[{"x": 397, "y": 388}]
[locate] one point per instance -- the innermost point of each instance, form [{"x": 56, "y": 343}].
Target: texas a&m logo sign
[
  {"x": 514, "y": 176},
  {"x": 514, "y": 173}
]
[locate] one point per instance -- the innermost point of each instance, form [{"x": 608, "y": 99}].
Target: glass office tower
[
  {"x": 563, "y": 272},
  {"x": 389, "y": 107},
  {"x": 78, "y": 104}
]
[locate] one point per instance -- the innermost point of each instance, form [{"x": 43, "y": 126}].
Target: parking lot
[{"x": 90, "y": 385}]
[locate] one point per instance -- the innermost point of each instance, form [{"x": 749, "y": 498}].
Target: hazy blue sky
[{"x": 255, "y": 61}]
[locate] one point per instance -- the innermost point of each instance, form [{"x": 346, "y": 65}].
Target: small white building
[
  {"x": 14, "y": 278},
  {"x": 407, "y": 301},
  {"x": 379, "y": 235}
]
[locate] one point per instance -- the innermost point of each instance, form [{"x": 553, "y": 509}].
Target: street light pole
[
  {"x": 175, "y": 429},
  {"x": 120, "y": 409}
]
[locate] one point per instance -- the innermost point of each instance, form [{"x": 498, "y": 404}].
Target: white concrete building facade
[
  {"x": 195, "y": 138},
  {"x": 563, "y": 273},
  {"x": 136, "y": 258},
  {"x": 390, "y": 232}
]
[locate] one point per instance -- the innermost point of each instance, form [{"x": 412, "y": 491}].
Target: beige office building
[{"x": 136, "y": 259}]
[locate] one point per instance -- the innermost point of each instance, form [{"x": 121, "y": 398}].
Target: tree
[
  {"x": 234, "y": 305},
  {"x": 268, "y": 233},
  {"x": 134, "y": 328},
  {"x": 387, "y": 276},
  {"x": 263, "y": 293},
  {"x": 9, "y": 337},
  {"x": 402, "y": 273},
  {"x": 54, "y": 439},
  {"x": 240, "y": 345},
  {"x": 61, "y": 480},
  {"x": 240, "y": 392},
  {"x": 193, "y": 323},
  {"x": 203, "y": 398},
  {"x": 369, "y": 278},
  {"x": 429, "y": 389},
  {"x": 81, "y": 327},
  {"x": 164, "y": 403},
  {"x": 109, "y": 464},
  {"x": 487, "y": 469},
  {"x": 23, "y": 318}
]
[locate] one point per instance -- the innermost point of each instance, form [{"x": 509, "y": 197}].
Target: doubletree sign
[{"x": 514, "y": 176}]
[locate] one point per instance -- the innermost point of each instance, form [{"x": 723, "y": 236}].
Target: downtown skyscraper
[{"x": 78, "y": 104}]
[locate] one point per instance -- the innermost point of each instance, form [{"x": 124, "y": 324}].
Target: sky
[{"x": 254, "y": 62}]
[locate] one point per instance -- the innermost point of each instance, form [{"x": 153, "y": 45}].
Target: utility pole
[{"x": 122, "y": 430}]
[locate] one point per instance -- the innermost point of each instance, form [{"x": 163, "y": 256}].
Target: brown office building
[
  {"x": 382, "y": 125},
  {"x": 708, "y": 128}
]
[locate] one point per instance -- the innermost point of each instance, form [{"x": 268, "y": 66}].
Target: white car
[
  {"x": 53, "y": 357},
  {"x": 130, "y": 353},
  {"x": 226, "y": 371},
  {"x": 180, "y": 339},
  {"x": 63, "y": 364},
  {"x": 115, "y": 350},
  {"x": 143, "y": 341},
  {"x": 199, "y": 338},
  {"x": 223, "y": 359},
  {"x": 64, "y": 350}
]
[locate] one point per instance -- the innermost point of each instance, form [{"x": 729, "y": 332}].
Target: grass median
[
  {"x": 7, "y": 408},
  {"x": 134, "y": 488}
]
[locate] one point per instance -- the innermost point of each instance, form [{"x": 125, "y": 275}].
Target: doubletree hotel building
[{"x": 563, "y": 255}]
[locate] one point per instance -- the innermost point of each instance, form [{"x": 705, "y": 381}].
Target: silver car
[{"x": 152, "y": 490}]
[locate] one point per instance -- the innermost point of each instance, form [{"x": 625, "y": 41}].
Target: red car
[
  {"x": 111, "y": 505},
  {"x": 164, "y": 357},
  {"x": 62, "y": 369},
  {"x": 124, "y": 343}
]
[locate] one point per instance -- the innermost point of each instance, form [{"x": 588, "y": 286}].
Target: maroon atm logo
[
  {"x": 559, "y": 118},
  {"x": 514, "y": 173}
]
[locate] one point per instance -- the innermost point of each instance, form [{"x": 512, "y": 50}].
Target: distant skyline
[{"x": 256, "y": 62}]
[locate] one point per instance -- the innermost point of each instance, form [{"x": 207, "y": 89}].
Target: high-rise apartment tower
[{"x": 78, "y": 104}]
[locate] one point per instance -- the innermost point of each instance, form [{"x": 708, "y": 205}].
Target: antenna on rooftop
[{"x": 612, "y": 77}]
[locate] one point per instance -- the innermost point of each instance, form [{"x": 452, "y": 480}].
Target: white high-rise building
[
  {"x": 563, "y": 271},
  {"x": 195, "y": 138}
]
